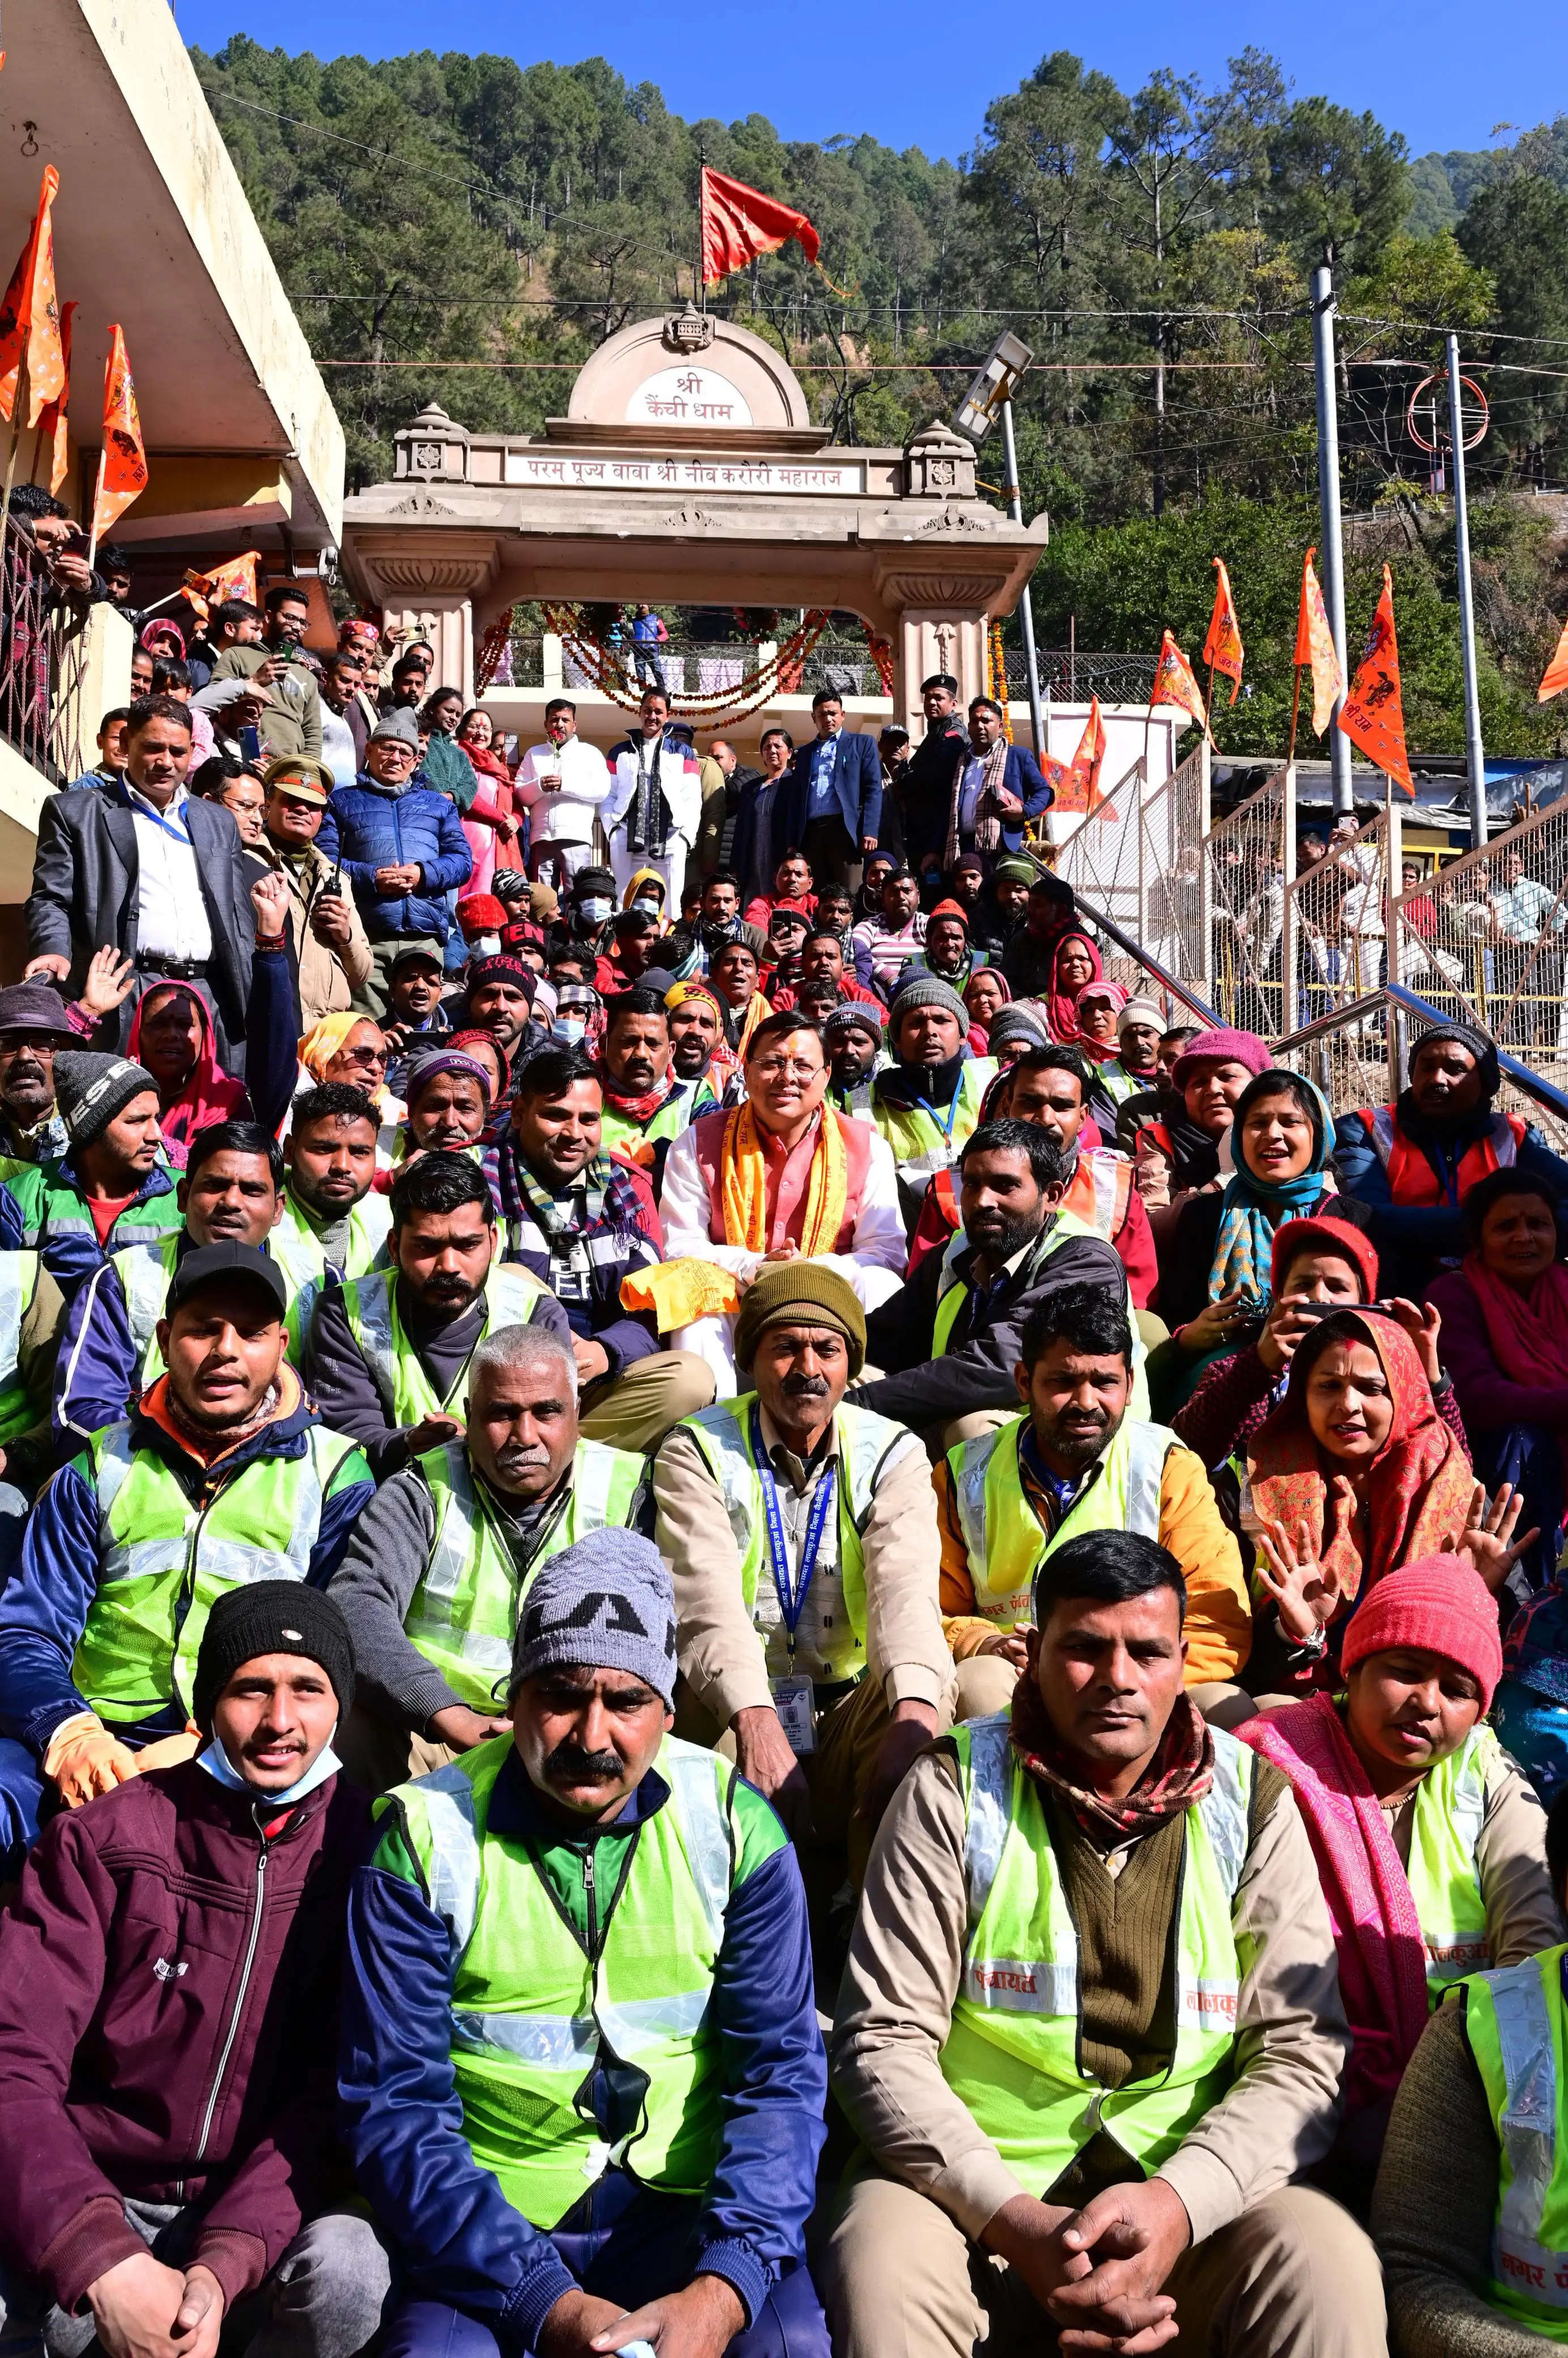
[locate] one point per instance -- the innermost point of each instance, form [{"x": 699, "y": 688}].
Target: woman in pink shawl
[
  {"x": 1431, "y": 1847},
  {"x": 491, "y": 825},
  {"x": 172, "y": 1037}
]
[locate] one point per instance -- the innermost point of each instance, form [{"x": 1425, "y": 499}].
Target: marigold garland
[{"x": 601, "y": 667}]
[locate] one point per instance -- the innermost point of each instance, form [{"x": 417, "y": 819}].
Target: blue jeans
[
  {"x": 624, "y": 2242},
  {"x": 650, "y": 670}
]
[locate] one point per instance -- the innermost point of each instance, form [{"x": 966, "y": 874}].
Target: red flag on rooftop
[
  {"x": 1314, "y": 646},
  {"x": 29, "y": 315},
  {"x": 1077, "y": 786},
  {"x": 51, "y": 420},
  {"x": 1555, "y": 679},
  {"x": 1175, "y": 684},
  {"x": 123, "y": 469},
  {"x": 1372, "y": 715},
  {"x": 739, "y": 224},
  {"x": 1222, "y": 650}
]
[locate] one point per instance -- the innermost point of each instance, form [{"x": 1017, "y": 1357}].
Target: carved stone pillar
[
  {"x": 430, "y": 582},
  {"x": 931, "y": 639},
  {"x": 447, "y": 623}
]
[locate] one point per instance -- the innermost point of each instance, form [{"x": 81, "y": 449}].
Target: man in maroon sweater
[{"x": 168, "y": 1978}]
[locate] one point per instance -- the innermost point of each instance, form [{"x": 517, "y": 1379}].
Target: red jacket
[{"x": 127, "y": 1968}]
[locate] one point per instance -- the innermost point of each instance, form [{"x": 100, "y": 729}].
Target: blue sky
[{"x": 1444, "y": 75}]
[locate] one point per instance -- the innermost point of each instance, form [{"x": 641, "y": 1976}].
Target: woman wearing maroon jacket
[{"x": 169, "y": 1979}]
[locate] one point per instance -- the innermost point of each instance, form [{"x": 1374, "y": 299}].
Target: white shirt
[
  {"x": 338, "y": 746},
  {"x": 171, "y": 915},
  {"x": 563, "y": 814}
]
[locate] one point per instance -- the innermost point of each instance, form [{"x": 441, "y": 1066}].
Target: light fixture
[{"x": 996, "y": 382}]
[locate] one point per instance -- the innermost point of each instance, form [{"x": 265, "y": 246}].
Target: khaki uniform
[{"x": 328, "y": 977}]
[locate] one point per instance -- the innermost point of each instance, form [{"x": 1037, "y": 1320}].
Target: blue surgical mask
[
  {"x": 649, "y": 902},
  {"x": 594, "y": 910},
  {"x": 216, "y": 1763},
  {"x": 571, "y": 1028},
  {"x": 484, "y": 945}
]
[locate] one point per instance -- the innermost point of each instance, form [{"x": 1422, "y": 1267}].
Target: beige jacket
[
  {"x": 328, "y": 978},
  {"x": 900, "y": 1985},
  {"x": 726, "y": 1659}
]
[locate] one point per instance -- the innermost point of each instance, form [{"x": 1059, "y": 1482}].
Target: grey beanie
[
  {"x": 853, "y": 1015},
  {"x": 1018, "y": 1021},
  {"x": 399, "y": 724},
  {"x": 927, "y": 991},
  {"x": 90, "y": 1089},
  {"x": 605, "y": 1603}
]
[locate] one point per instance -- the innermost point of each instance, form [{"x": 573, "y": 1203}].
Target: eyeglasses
[
  {"x": 799, "y": 1069},
  {"x": 363, "y": 1055}
]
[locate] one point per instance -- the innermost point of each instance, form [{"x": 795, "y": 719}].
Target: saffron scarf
[
  {"x": 1527, "y": 1331},
  {"x": 1060, "y": 1004},
  {"x": 1253, "y": 1208},
  {"x": 1420, "y": 1485},
  {"x": 321, "y": 1043},
  {"x": 207, "y": 1094},
  {"x": 1377, "y": 1933},
  {"x": 743, "y": 1185}
]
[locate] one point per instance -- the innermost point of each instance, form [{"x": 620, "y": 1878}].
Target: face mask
[
  {"x": 645, "y": 901},
  {"x": 485, "y": 945},
  {"x": 595, "y": 910},
  {"x": 571, "y": 1028},
  {"x": 216, "y": 1762}
]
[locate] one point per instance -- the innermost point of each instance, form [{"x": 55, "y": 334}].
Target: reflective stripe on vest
[
  {"x": 919, "y": 1144},
  {"x": 1011, "y": 2054},
  {"x": 953, "y": 1296},
  {"x": 530, "y": 2010},
  {"x": 1004, "y": 1537},
  {"x": 138, "y": 1646},
  {"x": 144, "y": 1271},
  {"x": 722, "y": 1434},
  {"x": 1445, "y": 1869},
  {"x": 1514, "y": 2024},
  {"x": 369, "y": 1303},
  {"x": 1103, "y": 1186},
  {"x": 297, "y": 1248},
  {"x": 463, "y": 1613},
  {"x": 18, "y": 1281}
]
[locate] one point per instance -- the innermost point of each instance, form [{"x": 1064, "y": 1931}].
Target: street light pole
[
  {"x": 1025, "y": 610},
  {"x": 1475, "y": 755},
  {"x": 1328, "y": 506}
]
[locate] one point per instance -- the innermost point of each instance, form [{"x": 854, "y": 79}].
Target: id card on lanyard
[{"x": 793, "y": 1696}]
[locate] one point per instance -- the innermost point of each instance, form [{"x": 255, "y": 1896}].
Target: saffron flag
[
  {"x": 739, "y": 224},
  {"x": 122, "y": 469},
  {"x": 29, "y": 315},
  {"x": 1314, "y": 646},
  {"x": 1555, "y": 679},
  {"x": 1077, "y": 786},
  {"x": 1373, "y": 713},
  {"x": 235, "y": 580},
  {"x": 1175, "y": 684},
  {"x": 1222, "y": 650},
  {"x": 51, "y": 421}
]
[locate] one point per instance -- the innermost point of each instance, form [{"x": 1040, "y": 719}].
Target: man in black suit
[
  {"x": 159, "y": 875},
  {"x": 928, "y": 781},
  {"x": 831, "y": 806}
]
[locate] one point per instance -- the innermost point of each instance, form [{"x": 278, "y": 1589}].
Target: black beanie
[{"x": 272, "y": 1617}]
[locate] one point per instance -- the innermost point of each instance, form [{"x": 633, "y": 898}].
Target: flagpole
[
  {"x": 1295, "y": 708},
  {"x": 97, "y": 495},
  {"x": 701, "y": 273}
]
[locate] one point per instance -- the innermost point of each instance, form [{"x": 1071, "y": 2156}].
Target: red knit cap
[
  {"x": 1440, "y": 1606},
  {"x": 1319, "y": 1233},
  {"x": 1221, "y": 1048}
]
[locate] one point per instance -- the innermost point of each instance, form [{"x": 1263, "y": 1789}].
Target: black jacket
[
  {"x": 976, "y": 1369},
  {"x": 928, "y": 790}
]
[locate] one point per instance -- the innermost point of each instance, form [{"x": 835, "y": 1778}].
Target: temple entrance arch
[{"x": 686, "y": 472}]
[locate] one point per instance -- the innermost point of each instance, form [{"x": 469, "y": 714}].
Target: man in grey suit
[
  {"x": 144, "y": 867},
  {"x": 831, "y": 806}
]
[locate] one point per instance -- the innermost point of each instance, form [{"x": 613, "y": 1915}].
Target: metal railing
[
  {"x": 1486, "y": 937},
  {"x": 1071, "y": 676},
  {"x": 1247, "y": 868},
  {"x": 26, "y": 652}
]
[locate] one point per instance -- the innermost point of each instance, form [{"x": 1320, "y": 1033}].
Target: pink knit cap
[
  {"x": 1221, "y": 1048},
  {"x": 1440, "y": 1606}
]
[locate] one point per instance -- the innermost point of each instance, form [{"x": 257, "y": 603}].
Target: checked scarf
[
  {"x": 597, "y": 1211},
  {"x": 987, "y": 812},
  {"x": 1180, "y": 1773}
]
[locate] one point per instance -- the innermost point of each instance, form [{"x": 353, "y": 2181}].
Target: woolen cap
[
  {"x": 1222, "y": 1047},
  {"x": 853, "y": 1015},
  {"x": 800, "y": 1294},
  {"x": 272, "y": 1617},
  {"x": 1018, "y": 1021},
  {"x": 398, "y": 724},
  {"x": 1141, "y": 1011},
  {"x": 927, "y": 991},
  {"x": 90, "y": 1089},
  {"x": 37, "y": 1008},
  {"x": 607, "y": 1603},
  {"x": 1440, "y": 1606}
]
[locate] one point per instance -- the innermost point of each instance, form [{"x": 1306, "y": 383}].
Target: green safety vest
[
  {"x": 369, "y": 1303},
  {"x": 463, "y": 1615},
  {"x": 955, "y": 1290},
  {"x": 1513, "y": 2020},
  {"x": 1011, "y": 2054},
  {"x": 921, "y": 1147},
  {"x": 1445, "y": 1869},
  {"x": 529, "y": 2007},
  {"x": 18, "y": 1281},
  {"x": 164, "y": 1561},
  {"x": 297, "y": 1248},
  {"x": 144, "y": 1271},
  {"x": 866, "y": 1441},
  {"x": 677, "y": 1113},
  {"x": 1005, "y": 1536},
  {"x": 52, "y": 1206}
]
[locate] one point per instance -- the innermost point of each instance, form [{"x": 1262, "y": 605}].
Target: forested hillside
[{"x": 447, "y": 225}]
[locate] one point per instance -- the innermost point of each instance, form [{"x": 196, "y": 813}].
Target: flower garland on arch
[
  {"x": 493, "y": 646},
  {"x": 601, "y": 667},
  {"x": 996, "y": 674}
]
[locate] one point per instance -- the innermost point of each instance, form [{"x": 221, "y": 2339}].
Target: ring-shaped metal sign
[{"x": 1469, "y": 383}]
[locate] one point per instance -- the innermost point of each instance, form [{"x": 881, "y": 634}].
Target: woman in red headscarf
[
  {"x": 173, "y": 1038},
  {"x": 1077, "y": 963}
]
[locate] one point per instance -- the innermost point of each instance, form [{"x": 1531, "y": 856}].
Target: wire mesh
[
  {"x": 1350, "y": 1060},
  {"x": 1339, "y": 908},
  {"x": 1099, "y": 858},
  {"x": 1174, "y": 820},
  {"x": 1248, "y": 861}
]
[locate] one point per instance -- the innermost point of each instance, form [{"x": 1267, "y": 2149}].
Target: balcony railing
[{"x": 27, "y": 652}]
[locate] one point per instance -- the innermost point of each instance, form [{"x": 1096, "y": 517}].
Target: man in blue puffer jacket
[{"x": 403, "y": 849}]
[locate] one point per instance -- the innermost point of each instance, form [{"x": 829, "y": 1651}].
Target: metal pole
[
  {"x": 1475, "y": 758},
  {"x": 1025, "y": 610},
  {"x": 1333, "y": 550}
]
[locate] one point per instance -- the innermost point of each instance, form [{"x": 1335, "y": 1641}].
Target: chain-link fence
[
  {"x": 1337, "y": 909},
  {"x": 1247, "y": 865},
  {"x": 1070, "y": 676}
]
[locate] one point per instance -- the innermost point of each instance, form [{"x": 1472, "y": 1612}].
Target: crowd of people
[{"x": 740, "y": 1608}]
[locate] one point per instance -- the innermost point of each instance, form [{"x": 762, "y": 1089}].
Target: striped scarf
[
  {"x": 589, "y": 1226},
  {"x": 988, "y": 814}
]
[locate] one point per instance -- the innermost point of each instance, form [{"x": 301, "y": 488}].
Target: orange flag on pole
[
  {"x": 235, "y": 580},
  {"x": 29, "y": 315},
  {"x": 1373, "y": 713},
  {"x": 1175, "y": 684},
  {"x": 739, "y": 224},
  {"x": 123, "y": 468},
  {"x": 1077, "y": 786},
  {"x": 1555, "y": 679},
  {"x": 1222, "y": 650},
  {"x": 51, "y": 420},
  {"x": 1314, "y": 646}
]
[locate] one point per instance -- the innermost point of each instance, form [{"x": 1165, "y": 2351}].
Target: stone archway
[{"x": 687, "y": 470}]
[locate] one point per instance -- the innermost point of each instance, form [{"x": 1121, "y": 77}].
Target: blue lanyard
[
  {"x": 791, "y": 1588},
  {"x": 139, "y": 810},
  {"x": 945, "y": 1124}
]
